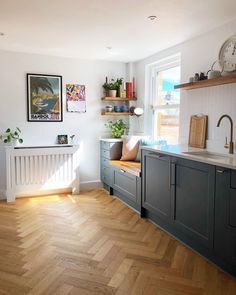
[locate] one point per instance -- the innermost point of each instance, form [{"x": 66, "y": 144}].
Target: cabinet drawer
[
  {"x": 106, "y": 179},
  {"x": 111, "y": 150},
  {"x": 125, "y": 183},
  {"x": 105, "y": 153},
  {"x": 105, "y": 145},
  {"x": 104, "y": 162},
  {"x": 111, "y": 154},
  {"x": 105, "y": 170}
]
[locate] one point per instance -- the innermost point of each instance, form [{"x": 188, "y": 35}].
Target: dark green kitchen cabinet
[
  {"x": 193, "y": 200},
  {"x": 157, "y": 184},
  {"x": 225, "y": 216},
  {"x": 181, "y": 193}
]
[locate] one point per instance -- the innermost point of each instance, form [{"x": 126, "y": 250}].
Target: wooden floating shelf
[
  {"x": 115, "y": 113},
  {"x": 208, "y": 83},
  {"x": 107, "y": 98}
]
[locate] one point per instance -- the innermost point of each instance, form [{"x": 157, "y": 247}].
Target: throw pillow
[{"x": 130, "y": 147}]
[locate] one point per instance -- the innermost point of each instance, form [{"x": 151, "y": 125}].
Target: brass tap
[{"x": 231, "y": 144}]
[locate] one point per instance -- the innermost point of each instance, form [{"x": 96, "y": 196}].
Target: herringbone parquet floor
[{"x": 94, "y": 244}]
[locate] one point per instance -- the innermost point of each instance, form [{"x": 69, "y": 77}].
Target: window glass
[{"x": 167, "y": 104}]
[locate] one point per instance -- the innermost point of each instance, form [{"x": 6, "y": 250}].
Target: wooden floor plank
[{"x": 93, "y": 244}]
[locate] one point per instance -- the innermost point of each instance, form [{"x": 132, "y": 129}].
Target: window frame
[{"x": 152, "y": 75}]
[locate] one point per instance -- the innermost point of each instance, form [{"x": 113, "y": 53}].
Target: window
[{"x": 166, "y": 103}]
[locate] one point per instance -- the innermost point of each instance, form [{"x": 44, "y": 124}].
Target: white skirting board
[
  {"x": 84, "y": 186},
  {"x": 88, "y": 185}
]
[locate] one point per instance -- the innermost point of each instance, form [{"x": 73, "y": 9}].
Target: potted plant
[
  {"x": 117, "y": 128},
  {"x": 11, "y": 137},
  {"x": 112, "y": 87}
]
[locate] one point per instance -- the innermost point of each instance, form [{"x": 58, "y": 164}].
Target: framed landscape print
[{"x": 44, "y": 93}]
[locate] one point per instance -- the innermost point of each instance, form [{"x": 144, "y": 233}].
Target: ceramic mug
[
  {"x": 117, "y": 109},
  {"x": 124, "y": 108},
  {"x": 109, "y": 109}
]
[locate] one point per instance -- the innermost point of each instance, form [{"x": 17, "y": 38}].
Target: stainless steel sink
[{"x": 209, "y": 155}]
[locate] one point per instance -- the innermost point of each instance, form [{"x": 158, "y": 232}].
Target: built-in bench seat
[
  {"x": 120, "y": 178},
  {"x": 132, "y": 167}
]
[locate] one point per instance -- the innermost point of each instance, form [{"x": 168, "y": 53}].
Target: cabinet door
[
  {"x": 156, "y": 184},
  {"x": 106, "y": 174},
  {"x": 225, "y": 208},
  {"x": 125, "y": 183},
  {"x": 193, "y": 200}
]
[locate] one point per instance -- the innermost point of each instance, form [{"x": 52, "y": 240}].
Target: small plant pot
[{"x": 112, "y": 93}]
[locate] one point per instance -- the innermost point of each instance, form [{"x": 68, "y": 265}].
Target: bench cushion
[{"x": 127, "y": 166}]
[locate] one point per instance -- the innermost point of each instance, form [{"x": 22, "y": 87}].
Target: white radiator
[{"x": 40, "y": 170}]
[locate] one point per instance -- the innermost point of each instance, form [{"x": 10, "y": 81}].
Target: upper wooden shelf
[
  {"x": 207, "y": 83},
  {"x": 116, "y": 113},
  {"x": 107, "y": 98}
]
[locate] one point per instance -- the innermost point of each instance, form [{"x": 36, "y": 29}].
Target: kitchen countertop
[
  {"x": 181, "y": 151},
  {"x": 111, "y": 139}
]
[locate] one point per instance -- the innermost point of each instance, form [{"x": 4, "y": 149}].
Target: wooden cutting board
[{"x": 198, "y": 131}]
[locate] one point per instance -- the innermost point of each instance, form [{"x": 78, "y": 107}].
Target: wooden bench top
[{"x": 128, "y": 166}]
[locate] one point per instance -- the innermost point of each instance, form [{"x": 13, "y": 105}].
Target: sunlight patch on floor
[{"x": 51, "y": 198}]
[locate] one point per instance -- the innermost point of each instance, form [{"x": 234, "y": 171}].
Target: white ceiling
[{"x": 83, "y": 29}]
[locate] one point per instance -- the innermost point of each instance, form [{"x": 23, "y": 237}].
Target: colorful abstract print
[{"x": 76, "y": 98}]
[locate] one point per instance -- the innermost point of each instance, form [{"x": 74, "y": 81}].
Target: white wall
[
  {"x": 89, "y": 127},
  {"x": 196, "y": 55}
]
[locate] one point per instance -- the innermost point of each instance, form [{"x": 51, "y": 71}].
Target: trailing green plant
[
  {"x": 10, "y": 135},
  {"x": 117, "y": 127},
  {"x": 113, "y": 85}
]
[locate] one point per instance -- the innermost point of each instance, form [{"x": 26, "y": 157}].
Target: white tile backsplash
[{"x": 211, "y": 101}]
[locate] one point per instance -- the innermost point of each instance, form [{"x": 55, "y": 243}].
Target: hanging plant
[{"x": 10, "y": 136}]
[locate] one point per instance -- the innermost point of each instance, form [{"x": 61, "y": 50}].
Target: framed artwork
[
  {"x": 44, "y": 93},
  {"x": 76, "y": 98},
  {"x": 62, "y": 139}
]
